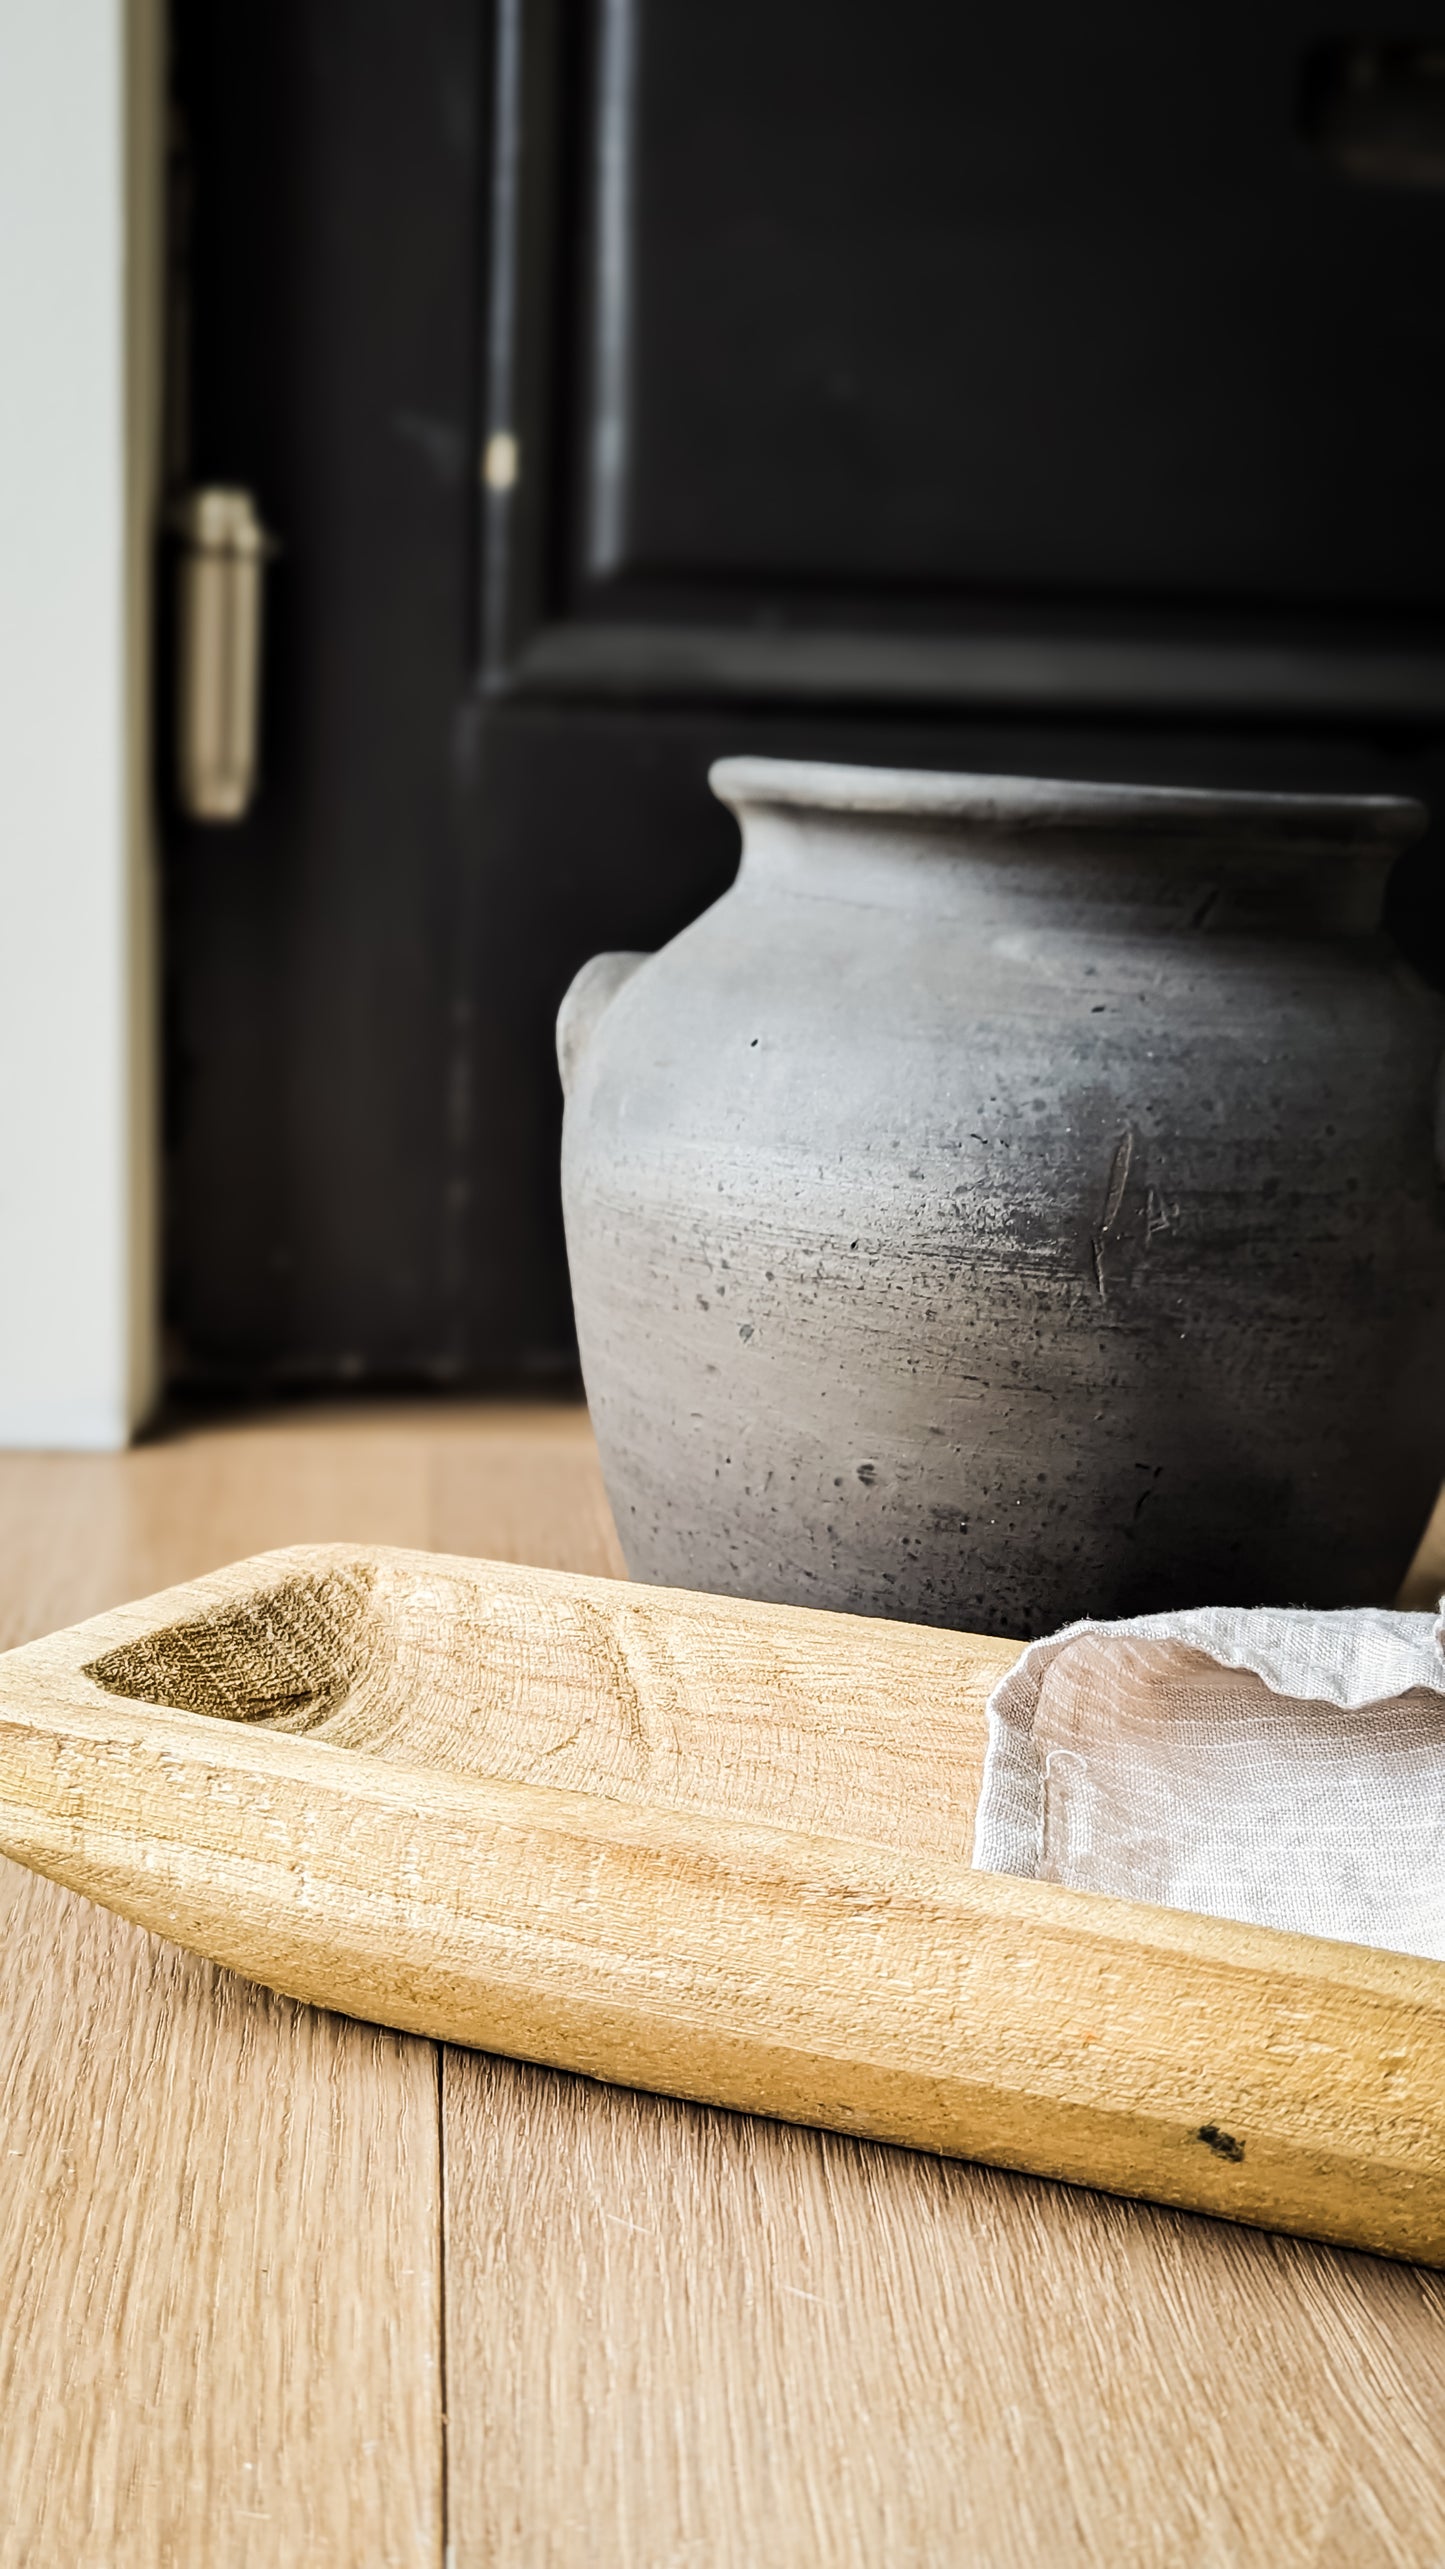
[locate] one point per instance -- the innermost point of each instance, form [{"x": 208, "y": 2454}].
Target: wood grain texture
[
  {"x": 219, "y": 2278},
  {"x": 220, "y": 2245},
  {"x": 706, "y": 1848},
  {"x": 992, "y": 2369},
  {"x": 672, "y": 2335},
  {"x": 677, "y": 2336}
]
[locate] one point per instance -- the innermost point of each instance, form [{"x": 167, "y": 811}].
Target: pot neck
[{"x": 1139, "y": 881}]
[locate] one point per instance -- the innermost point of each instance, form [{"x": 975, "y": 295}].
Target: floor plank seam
[{"x": 442, "y": 2381}]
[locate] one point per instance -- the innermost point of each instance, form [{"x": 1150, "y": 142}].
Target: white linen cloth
[{"x": 1271, "y": 1765}]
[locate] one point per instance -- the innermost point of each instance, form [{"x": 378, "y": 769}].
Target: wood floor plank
[
  {"x": 678, "y": 2336},
  {"x": 528, "y": 1490},
  {"x": 219, "y": 2287},
  {"x": 220, "y": 2256}
]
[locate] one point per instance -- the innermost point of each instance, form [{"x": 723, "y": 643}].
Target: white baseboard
[
  {"x": 80, "y": 195},
  {"x": 66, "y": 1423}
]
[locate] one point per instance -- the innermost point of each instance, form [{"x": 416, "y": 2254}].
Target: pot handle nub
[{"x": 590, "y": 994}]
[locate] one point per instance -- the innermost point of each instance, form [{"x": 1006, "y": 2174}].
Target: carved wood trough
[{"x": 709, "y": 1848}]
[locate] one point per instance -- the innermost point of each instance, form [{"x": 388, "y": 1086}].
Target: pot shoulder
[{"x": 809, "y": 1028}]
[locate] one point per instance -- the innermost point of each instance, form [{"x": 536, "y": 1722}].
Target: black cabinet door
[
  {"x": 632, "y": 382},
  {"x": 1031, "y": 301}
]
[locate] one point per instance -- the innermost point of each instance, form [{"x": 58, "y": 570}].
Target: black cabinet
[{"x": 634, "y": 382}]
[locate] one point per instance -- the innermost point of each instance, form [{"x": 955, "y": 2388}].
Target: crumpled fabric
[{"x": 1265, "y": 1764}]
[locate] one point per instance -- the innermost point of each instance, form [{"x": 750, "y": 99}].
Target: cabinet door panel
[{"x": 1030, "y": 299}]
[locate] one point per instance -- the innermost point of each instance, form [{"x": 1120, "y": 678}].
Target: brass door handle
[{"x": 220, "y": 578}]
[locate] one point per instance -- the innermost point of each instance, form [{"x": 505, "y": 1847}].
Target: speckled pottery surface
[{"x": 1015, "y": 1200}]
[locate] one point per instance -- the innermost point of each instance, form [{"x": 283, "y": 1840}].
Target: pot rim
[{"x": 1017, "y": 805}]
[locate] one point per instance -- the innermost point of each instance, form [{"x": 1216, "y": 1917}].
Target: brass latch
[{"x": 218, "y": 637}]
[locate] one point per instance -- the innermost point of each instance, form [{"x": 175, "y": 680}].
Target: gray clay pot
[{"x": 1014, "y": 1201}]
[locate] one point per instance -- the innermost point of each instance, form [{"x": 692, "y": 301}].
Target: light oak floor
[{"x": 276, "y": 2288}]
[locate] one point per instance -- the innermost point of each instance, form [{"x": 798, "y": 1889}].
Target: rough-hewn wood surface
[
  {"x": 249, "y": 2255},
  {"x": 707, "y": 1848}
]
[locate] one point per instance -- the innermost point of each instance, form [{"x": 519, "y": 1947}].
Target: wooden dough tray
[{"x": 715, "y": 1849}]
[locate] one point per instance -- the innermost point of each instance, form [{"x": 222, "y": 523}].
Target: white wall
[{"x": 79, "y": 299}]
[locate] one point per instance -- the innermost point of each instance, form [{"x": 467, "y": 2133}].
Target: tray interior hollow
[
  {"x": 822, "y": 1722},
  {"x": 288, "y": 1656}
]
